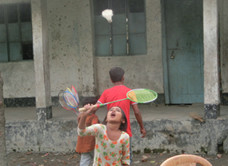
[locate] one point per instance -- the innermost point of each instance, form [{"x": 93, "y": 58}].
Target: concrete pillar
[
  {"x": 41, "y": 59},
  {"x": 3, "y": 161},
  {"x": 211, "y": 60},
  {"x": 86, "y": 45}
]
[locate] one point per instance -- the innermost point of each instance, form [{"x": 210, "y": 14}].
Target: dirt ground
[{"x": 72, "y": 159}]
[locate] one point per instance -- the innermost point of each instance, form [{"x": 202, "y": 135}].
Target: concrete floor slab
[
  {"x": 168, "y": 128},
  {"x": 149, "y": 112}
]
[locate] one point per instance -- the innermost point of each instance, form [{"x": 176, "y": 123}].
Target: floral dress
[{"x": 108, "y": 152}]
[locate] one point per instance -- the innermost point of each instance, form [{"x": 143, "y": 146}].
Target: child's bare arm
[
  {"x": 83, "y": 116},
  {"x": 139, "y": 119},
  {"x": 126, "y": 151}
]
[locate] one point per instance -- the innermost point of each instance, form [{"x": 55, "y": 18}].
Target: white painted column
[
  {"x": 41, "y": 59},
  {"x": 211, "y": 59}
]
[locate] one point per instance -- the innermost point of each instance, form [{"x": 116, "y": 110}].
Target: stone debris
[
  {"x": 46, "y": 154},
  {"x": 144, "y": 158},
  {"x": 195, "y": 116},
  {"x": 219, "y": 156}
]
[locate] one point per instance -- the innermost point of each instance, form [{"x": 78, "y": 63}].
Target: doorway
[{"x": 183, "y": 51}]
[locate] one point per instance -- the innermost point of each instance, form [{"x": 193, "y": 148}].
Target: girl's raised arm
[
  {"x": 82, "y": 129},
  {"x": 83, "y": 116}
]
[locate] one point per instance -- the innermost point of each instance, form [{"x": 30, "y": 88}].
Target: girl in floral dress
[{"x": 112, "y": 142}]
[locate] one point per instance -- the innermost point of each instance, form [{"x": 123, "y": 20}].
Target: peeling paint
[
  {"x": 174, "y": 136},
  {"x": 70, "y": 46}
]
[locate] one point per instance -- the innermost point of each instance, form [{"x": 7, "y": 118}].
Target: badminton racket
[
  {"x": 69, "y": 99},
  {"x": 135, "y": 95}
]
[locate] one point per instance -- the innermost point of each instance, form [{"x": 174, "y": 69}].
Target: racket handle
[{"x": 83, "y": 109}]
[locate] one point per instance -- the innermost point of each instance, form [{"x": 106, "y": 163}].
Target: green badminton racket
[{"x": 135, "y": 95}]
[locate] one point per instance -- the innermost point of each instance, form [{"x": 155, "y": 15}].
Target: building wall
[
  {"x": 18, "y": 77},
  {"x": 223, "y": 44},
  {"x": 142, "y": 71},
  {"x": 66, "y": 35},
  {"x": 172, "y": 136},
  {"x": 67, "y": 29},
  {"x": 13, "y": 1},
  {"x": 64, "y": 32},
  {"x": 70, "y": 36},
  {"x": 64, "y": 43}
]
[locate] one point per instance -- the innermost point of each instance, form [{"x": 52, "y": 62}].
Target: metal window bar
[
  {"x": 111, "y": 35},
  {"x": 7, "y": 31},
  {"x": 3, "y": 23},
  {"x": 12, "y": 43},
  {"x": 135, "y": 7},
  {"x": 19, "y": 23},
  {"x": 127, "y": 37},
  {"x": 126, "y": 26}
]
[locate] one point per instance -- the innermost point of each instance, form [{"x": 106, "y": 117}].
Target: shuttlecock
[{"x": 107, "y": 14}]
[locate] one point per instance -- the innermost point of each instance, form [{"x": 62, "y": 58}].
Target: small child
[
  {"x": 85, "y": 145},
  {"x": 112, "y": 142}
]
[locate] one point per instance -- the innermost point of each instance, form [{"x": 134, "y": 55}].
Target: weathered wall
[
  {"x": 63, "y": 44},
  {"x": 142, "y": 71},
  {"x": 70, "y": 45},
  {"x": 66, "y": 35},
  {"x": 188, "y": 136},
  {"x": 162, "y": 135},
  {"x": 40, "y": 137},
  {"x": 223, "y": 43},
  {"x": 70, "y": 36},
  {"x": 13, "y": 1},
  {"x": 19, "y": 79},
  {"x": 70, "y": 48}
]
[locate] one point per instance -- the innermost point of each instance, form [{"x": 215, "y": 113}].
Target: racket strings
[
  {"x": 70, "y": 99},
  {"x": 142, "y": 95},
  {"x": 75, "y": 94},
  {"x": 62, "y": 101}
]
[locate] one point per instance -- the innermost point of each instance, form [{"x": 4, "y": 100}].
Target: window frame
[
  {"x": 129, "y": 50},
  {"x": 15, "y": 46}
]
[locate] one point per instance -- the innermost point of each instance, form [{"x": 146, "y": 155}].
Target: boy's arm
[
  {"x": 139, "y": 119},
  {"x": 101, "y": 100}
]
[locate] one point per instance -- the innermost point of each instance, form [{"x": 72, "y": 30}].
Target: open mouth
[{"x": 113, "y": 114}]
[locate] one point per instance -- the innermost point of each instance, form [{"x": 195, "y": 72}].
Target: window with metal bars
[
  {"x": 126, "y": 35},
  {"x": 15, "y": 32}
]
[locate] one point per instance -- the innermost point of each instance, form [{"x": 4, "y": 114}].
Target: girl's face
[{"x": 114, "y": 114}]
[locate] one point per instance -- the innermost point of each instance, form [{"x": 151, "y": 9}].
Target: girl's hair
[{"x": 123, "y": 126}]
